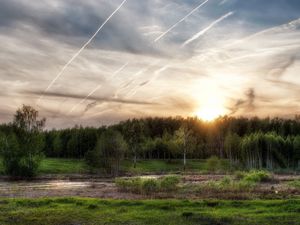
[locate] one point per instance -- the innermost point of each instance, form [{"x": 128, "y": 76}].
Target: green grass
[
  {"x": 67, "y": 211},
  {"x": 58, "y": 166},
  {"x": 73, "y": 166},
  {"x": 161, "y": 166},
  {"x": 62, "y": 166}
]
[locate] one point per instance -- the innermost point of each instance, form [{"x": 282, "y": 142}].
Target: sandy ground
[{"x": 105, "y": 188}]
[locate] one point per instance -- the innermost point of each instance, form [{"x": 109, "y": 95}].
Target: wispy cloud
[
  {"x": 256, "y": 48},
  {"x": 202, "y": 32},
  {"x": 80, "y": 50},
  {"x": 180, "y": 21}
]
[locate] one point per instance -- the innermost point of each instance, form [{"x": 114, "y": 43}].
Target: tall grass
[{"x": 147, "y": 185}]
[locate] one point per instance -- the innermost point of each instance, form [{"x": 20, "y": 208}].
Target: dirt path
[{"x": 105, "y": 188}]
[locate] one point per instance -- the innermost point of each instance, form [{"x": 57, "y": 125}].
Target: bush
[
  {"x": 294, "y": 184},
  {"x": 150, "y": 185},
  {"x": 226, "y": 184},
  {"x": 108, "y": 152},
  {"x": 239, "y": 175},
  {"x": 226, "y": 181},
  {"x": 133, "y": 185},
  {"x": 18, "y": 160},
  {"x": 147, "y": 186},
  {"x": 169, "y": 183},
  {"x": 213, "y": 164},
  {"x": 246, "y": 185},
  {"x": 257, "y": 176}
]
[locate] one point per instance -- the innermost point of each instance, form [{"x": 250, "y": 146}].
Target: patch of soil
[{"x": 105, "y": 188}]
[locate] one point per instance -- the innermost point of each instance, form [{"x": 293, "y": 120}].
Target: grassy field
[
  {"x": 62, "y": 166},
  {"x": 76, "y": 166},
  {"x": 59, "y": 166},
  {"x": 59, "y": 211},
  {"x": 161, "y": 166}
]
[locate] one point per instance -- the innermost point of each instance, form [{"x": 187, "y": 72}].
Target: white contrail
[
  {"x": 184, "y": 18},
  {"x": 156, "y": 74},
  {"x": 125, "y": 85},
  {"x": 202, "y": 32},
  {"x": 97, "y": 88},
  {"x": 79, "y": 51}
]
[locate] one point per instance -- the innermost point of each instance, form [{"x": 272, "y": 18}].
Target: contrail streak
[
  {"x": 125, "y": 85},
  {"x": 156, "y": 74},
  {"x": 184, "y": 18},
  {"x": 202, "y": 32},
  {"x": 97, "y": 88},
  {"x": 79, "y": 51}
]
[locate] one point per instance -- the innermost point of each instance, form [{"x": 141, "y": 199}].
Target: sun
[
  {"x": 211, "y": 110},
  {"x": 209, "y": 113}
]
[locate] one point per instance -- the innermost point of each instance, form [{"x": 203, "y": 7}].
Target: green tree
[
  {"x": 296, "y": 144},
  {"x": 57, "y": 144},
  {"x": 185, "y": 142},
  {"x": 108, "y": 153},
  {"x": 23, "y": 151},
  {"x": 135, "y": 136},
  {"x": 232, "y": 146}
]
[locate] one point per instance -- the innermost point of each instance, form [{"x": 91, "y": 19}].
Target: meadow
[
  {"x": 59, "y": 211},
  {"x": 78, "y": 166}
]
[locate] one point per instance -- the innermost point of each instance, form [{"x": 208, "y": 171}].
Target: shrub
[
  {"x": 22, "y": 148},
  {"x": 226, "y": 181},
  {"x": 133, "y": 185},
  {"x": 246, "y": 185},
  {"x": 257, "y": 176},
  {"x": 226, "y": 184},
  {"x": 239, "y": 175},
  {"x": 147, "y": 186},
  {"x": 150, "y": 186},
  {"x": 294, "y": 184},
  {"x": 18, "y": 160},
  {"x": 169, "y": 183},
  {"x": 213, "y": 164}
]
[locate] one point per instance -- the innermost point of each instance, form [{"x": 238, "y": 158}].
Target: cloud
[
  {"x": 98, "y": 99},
  {"x": 254, "y": 48},
  {"x": 202, "y": 32},
  {"x": 246, "y": 104}
]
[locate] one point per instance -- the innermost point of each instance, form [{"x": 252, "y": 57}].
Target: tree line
[{"x": 249, "y": 142}]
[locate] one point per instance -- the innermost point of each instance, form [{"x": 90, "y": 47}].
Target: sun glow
[
  {"x": 211, "y": 110},
  {"x": 209, "y": 113}
]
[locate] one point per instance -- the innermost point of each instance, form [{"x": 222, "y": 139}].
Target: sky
[{"x": 97, "y": 62}]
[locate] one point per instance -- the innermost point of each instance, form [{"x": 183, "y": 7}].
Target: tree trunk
[
  {"x": 134, "y": 161},
  {"x": 184, "y": 160}
]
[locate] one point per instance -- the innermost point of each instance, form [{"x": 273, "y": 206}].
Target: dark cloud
[
  {"x": 250, "y": 94},
  {"x": 90, "y": 106},
  {"x": 246, "y": 104},
  {"x": 74, "y": 19},
  {"x": 98, "y": 99}
]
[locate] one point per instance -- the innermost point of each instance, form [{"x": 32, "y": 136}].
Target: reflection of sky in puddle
[{"x": 45, "y": 185}]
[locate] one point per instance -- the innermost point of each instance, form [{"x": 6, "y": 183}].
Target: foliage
[
  {"x": 257, "y": 176},
  {"x": 294, "y": 184},
  {"x": 148, "y": 185},
  {"x": 213, "y": 164},
  {"x": 169, "y": 183},
  {"x": 108, "y": 152},
  {"x": 22, "y": 150},
  {"x": 133, "y": 185},
  {"x": 250, "y": 143}
]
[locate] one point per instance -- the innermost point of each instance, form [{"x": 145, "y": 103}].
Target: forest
[{"x": 250, "y": 143}]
